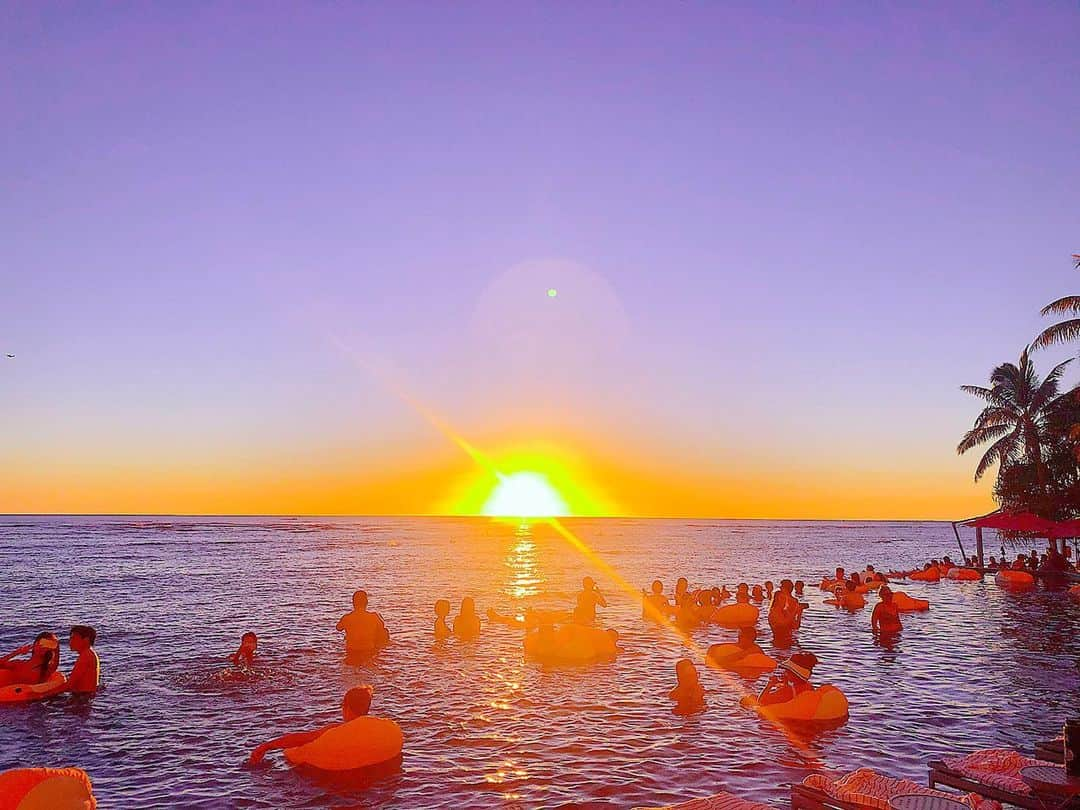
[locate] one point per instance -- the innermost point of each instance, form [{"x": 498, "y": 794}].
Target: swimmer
[
  {"x": 655, "y": 605},
  {"x": 86, "y": 674},
  {"x": 467, "y": 623},
  {"x": 757, "y": 595},
  {"x": 686, "y": 613},
  {"x": 365, "y": 631},
  {"x": 442, "y": 610},
  {"x": 747, "y": 641},
  {"x": 681, "y": 587},
  {"x": 742, "y": 593},
  {"x": 42, "y": 663},
  {"x": 792, "y": 678},
  {"x": 725, "y": 594},
  {"x": 800, "y": 586},
  {"x": 852, "y": 599},
  {"x": 244, "y": 655},
  {"x": 689, "y": 694},
  {"x": 768, "y": 589},
  {"x": 587, "y": 601},
  {"x": 885, "y": 619},
  {"x": 357, "y": 702},
  {"x": 785, "y": 609}
]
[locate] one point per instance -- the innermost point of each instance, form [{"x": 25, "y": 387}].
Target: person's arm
[
  {"x": 875, "y": 618},
  {"x": 285, "y": 741},
  {"x": 600, "y": 600},
  {"x": 23, "y": 650},
  {"x": 341, "y": 622}
]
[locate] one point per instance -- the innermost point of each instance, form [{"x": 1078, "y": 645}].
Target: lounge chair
[
  {"x": 1051, "y": 751},
  {"x": 866, "y": 789},
  {"x": 994, "y": 774},
  {"x": 718, "y": 801}
]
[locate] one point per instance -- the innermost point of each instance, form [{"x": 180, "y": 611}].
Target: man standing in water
[
  {"x": 365, "y": 632},
  {"x": 587, "y": 600}
]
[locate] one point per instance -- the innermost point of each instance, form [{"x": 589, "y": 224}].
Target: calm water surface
[{"x": 171, "y": 596}]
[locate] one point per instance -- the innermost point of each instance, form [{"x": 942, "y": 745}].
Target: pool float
[
  {"x": 738, "y": 615},
  {"x": 1007, "y": 578},
  {"x": 928, "y": 575},
  {"x": 46, "y": 789},
  {"x": 570, "y": 644},
  {"x": 735, "y": 658},
  {"x": 25, "y": 692},
  {"x": 1074, "y": 591},
  {"x": 907, "y": 604},
  {"x": 963, "y": 574},
  {"x": 828, "y": 583},
  {"x": 825, "y": 704},
  {"x": 359, "y": 743}
]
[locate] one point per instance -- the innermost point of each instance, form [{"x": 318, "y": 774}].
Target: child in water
[
  {"x": 365, "y": 631},
  {"x": 885, "y": 619},
  {"x": 86, "y": 674},
  {"x": 655, "y": 605},
  {"x": 42, "y": 663},
  {"x": 357, "y": 703},
  {"x": 587, "y": 601},
  {"x": 245, "y": 654},
  {"x": 442, "y": 629},
  {"x": 689, "y": 694},
  {"x": 792, "y": 678},
  {"x": 467, "y": 623}
]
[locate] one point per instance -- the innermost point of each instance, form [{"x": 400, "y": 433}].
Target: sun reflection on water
[{"x": 525, "y": 578}]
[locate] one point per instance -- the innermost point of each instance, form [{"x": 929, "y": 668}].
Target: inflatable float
[
  {"x": 359, "y": 743},
  {"x": 963, "y": 574},
  {"x": 1074, "y": 591},
  {"x": 1007, "y": 578},
  {"x": 907, "y": 604},
  {"x": 571, "y": 644},
  {"x": 735, "y": 658},
  {"x": 928, "y": 575},
  {"x": 825, "y": 705},
  {"x": 46, "y": 789},
  {"x": 25, "y": 692},
  {"x": 737, "y": 615}
]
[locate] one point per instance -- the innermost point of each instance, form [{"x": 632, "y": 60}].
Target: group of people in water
[{"x": 38, "y": 675}]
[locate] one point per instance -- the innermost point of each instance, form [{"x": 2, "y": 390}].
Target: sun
[{"x": 525, "y": 494}]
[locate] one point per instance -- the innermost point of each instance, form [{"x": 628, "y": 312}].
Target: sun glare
[{"x": 525, "y": 494}]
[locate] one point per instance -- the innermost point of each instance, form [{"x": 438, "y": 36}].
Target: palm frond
[
  {"x": 999, "y": 452},
  {"x": 1063, "y": 306},
  {"x": 989, "y": 394},
  {"x": 1063, "y": 332},
  {"x": 982, "y": 435}
]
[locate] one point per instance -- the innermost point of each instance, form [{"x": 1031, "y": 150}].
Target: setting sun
[{"x": 525, "y": 494}]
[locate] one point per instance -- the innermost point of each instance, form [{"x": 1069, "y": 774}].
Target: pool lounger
[
  {"x": 942, "y": 774},
  {"x": 874, "y": 791},
  {"x": 1050, "y": 751},
  {"x": 718, "y": 801}
]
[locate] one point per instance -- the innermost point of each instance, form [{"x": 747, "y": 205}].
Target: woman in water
[
  {"x": 245, "y": 654},
  {"x": 688, "y": 694},
  {"x": 467, "y": 623},
  {"x": 442, "y": 610},
  {"x": 792, "y": 678},
  {"x": 42, "y": 663},
  {"x": 784, "y": 611}
]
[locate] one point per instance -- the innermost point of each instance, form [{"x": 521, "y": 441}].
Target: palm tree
[
  {"x": 1066, "y": 330},
  {"x": 1015, "y": 418}
]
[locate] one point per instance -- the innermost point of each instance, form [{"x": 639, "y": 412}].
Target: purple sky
[{"x": 807, "y": 226}]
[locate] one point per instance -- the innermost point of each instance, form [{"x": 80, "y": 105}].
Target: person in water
[
  {"x": 885, "y": 620},
  {"x": 769, "y": 587},
  {"x": 42, "y": 663},
  {"x": 467, "y": 622},
  {"x": 357, "y": 703},
  {"x": 800, "y": 586},
  {"x": 85, "y": 676},
  {"x": 365, "y": 631},
  {"x": 688, "y": 694},
  {"x": 245, "y": 653},
  {"x": 442, "y": 610},
  {"x": 756, "y": 594},
  {"x": 681, "y": 587},
  {"x": 791, "y": 679},
  {"x": 784, "y": 610},
  {"x": 587, "y": 602},
  {"x": 655, "y": 605}
]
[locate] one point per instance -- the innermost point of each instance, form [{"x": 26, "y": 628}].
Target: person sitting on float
[
  {"x": 356, "y": 704},
  {"x": 42, "y": 663},
  {"x": 791, "y": 679}
]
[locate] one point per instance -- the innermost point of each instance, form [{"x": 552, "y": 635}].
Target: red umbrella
[{"x": 1019, "y": 522}]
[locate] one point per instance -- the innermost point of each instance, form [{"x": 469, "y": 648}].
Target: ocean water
[{"x": 484, "y": 728}]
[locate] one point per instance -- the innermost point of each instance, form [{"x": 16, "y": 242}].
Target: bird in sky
[{"x": 11, "y": 355}]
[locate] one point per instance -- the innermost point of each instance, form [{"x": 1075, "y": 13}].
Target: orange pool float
[
  {"x": 825, "y": 704},
  {"x": 1007, "y": 578},
  {"x": 46, "y": 789},
  {"x": 929, "y": 575},
  {"x": 25, "y": 692},
  {"x": 359, "y": 743},
  {"x": 963, "y": 574},
  {"x": 735, "y": 658},
  {"x": 737, "y": 615},
  {"x": 907, "y": 604}
]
